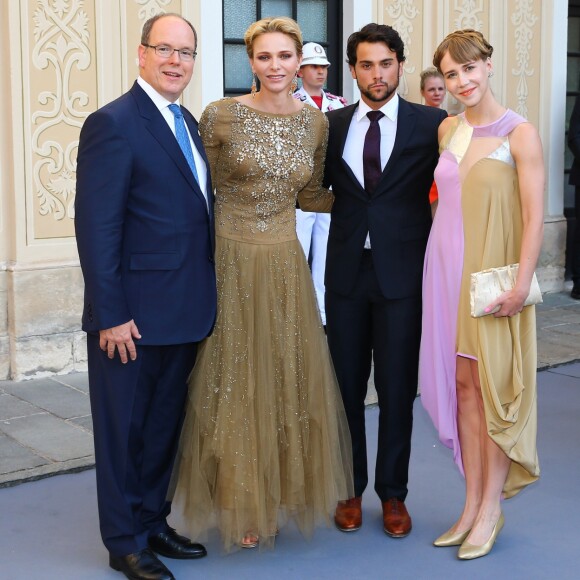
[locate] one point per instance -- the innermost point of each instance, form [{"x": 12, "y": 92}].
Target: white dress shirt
[
  {"x": 353, "y": 147},
  {"x": 163, "y": 105}
]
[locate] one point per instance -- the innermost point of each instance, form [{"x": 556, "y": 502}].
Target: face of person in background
[
  {"x": 313, "y": 77},
  {"x": 434, "y": 91},
  {"x": 275, "y": 61},
  {"x": 377, "y": 72}
]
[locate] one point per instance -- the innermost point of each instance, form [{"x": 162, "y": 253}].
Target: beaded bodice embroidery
[{"x": 259, "y": 162}]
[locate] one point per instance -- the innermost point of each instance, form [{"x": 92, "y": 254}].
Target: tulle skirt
[{"x": 265, "y": 437}]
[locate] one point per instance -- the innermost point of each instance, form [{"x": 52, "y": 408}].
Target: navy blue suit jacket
[
  {"x": 397, "y": 214},
  {"x": 144, "y": 233}
]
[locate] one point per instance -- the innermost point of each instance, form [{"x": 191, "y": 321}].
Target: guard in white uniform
[{"x": 312, "y": 228}]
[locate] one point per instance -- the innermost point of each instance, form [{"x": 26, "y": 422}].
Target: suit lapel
[
  {"x": 405, "y": 126},
  {"x": 159, "y": 129},
  {"x": 194, "y": 132},
  {"x": 342, "y": 126}
]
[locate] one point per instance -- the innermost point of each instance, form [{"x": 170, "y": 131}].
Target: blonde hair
[
  {"x": 428, "y": 73},
  {"x": 463, "y": 46},
  {"x": 281, "y": 24}
]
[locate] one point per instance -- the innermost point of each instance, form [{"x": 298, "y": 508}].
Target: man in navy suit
[
  {"x": 380, "y": 160},
  {"x": 144, "y": 226}
]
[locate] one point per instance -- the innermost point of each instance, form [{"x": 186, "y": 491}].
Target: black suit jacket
[
  {"x": 144, "y": 233},
  {"x": 397, "y": 214},
  {"x": 574, "y": 143}
]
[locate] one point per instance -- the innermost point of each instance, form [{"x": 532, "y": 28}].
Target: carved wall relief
[
  {"x": 524, "y": 21},
  {"x": 62, "y": 88},
  {"x": 403, "y": 17}
]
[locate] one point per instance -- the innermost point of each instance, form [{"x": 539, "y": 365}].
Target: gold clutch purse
[{"x": 487, "y": 285}]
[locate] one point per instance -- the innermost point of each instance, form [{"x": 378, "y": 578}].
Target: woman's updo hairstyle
[
  {"x": 281, "y": 24},
  {"x": 463, "y": 46}
]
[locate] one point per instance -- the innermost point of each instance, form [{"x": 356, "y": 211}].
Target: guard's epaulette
[{"x": 332, "y": 97}]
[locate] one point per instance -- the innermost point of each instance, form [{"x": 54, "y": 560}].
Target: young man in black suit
[{"x": 381, "y": 155}]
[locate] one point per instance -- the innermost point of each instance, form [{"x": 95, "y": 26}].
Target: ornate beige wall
[{"x": 510, "y": 27}]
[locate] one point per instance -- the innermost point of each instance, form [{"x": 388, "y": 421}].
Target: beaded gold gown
[{"x": 265, "y": 437}]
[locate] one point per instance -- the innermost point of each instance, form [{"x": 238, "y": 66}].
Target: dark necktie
[
  {"x": 183, "y": 138},
  {"x": 372, "y": 169}
]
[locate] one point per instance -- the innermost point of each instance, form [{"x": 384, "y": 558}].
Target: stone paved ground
[
  {"x": 46, "y": 428},
  {"x": 49, "y": 529},
  {"x": 558, "y": 323}
]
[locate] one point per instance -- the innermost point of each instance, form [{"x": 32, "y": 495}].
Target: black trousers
[
  {"x": 576, "y": 242},
  {"x": 362, "y": 327}
]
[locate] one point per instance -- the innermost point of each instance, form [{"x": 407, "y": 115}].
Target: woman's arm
[
  {"x": 315, "y": 197},
  {"x": 526, "y": 149}
]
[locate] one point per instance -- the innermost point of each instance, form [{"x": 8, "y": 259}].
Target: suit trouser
[
  {"x": 576, "y": 242},
  {"x": 137, "y": 410},
  {"x": 361, "y": 327}
]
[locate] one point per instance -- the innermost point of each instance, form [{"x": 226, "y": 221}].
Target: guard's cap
[{"x": 313, "y": 53}]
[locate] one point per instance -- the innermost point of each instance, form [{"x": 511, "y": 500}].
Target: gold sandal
[{"x": 249, "y": 541}]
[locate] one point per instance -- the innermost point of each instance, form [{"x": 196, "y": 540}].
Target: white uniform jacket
[
  {"x": 330, "y": 102},
  {"x": 312, "y": 228}
]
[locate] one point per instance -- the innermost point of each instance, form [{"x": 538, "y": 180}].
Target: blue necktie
[{"x": 183, "y": 138}]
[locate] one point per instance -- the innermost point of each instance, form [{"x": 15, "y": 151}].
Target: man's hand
[{"x": 120, "y": 337}]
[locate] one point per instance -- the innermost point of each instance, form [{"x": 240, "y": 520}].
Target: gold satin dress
[{"x": 265, "y": 437}]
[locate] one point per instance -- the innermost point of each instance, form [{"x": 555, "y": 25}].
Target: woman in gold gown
[{"x": 265, "y": 437}]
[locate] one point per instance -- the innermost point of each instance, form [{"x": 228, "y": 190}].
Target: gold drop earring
[
  {"x": 294, "y": 84},
  {"x": 254, "y": 86}
]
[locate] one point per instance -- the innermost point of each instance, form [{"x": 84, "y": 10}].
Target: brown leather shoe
[
  {"x": 348, "y": 515},
  {"x": 396, "y": 518}
]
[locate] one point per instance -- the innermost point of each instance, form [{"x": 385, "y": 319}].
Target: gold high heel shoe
[
  {"x": 450, "y": 538},
  {"x": 468, "y": 551}
]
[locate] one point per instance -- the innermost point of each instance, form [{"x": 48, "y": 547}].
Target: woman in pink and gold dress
[{"x": 478, "y": 375}]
